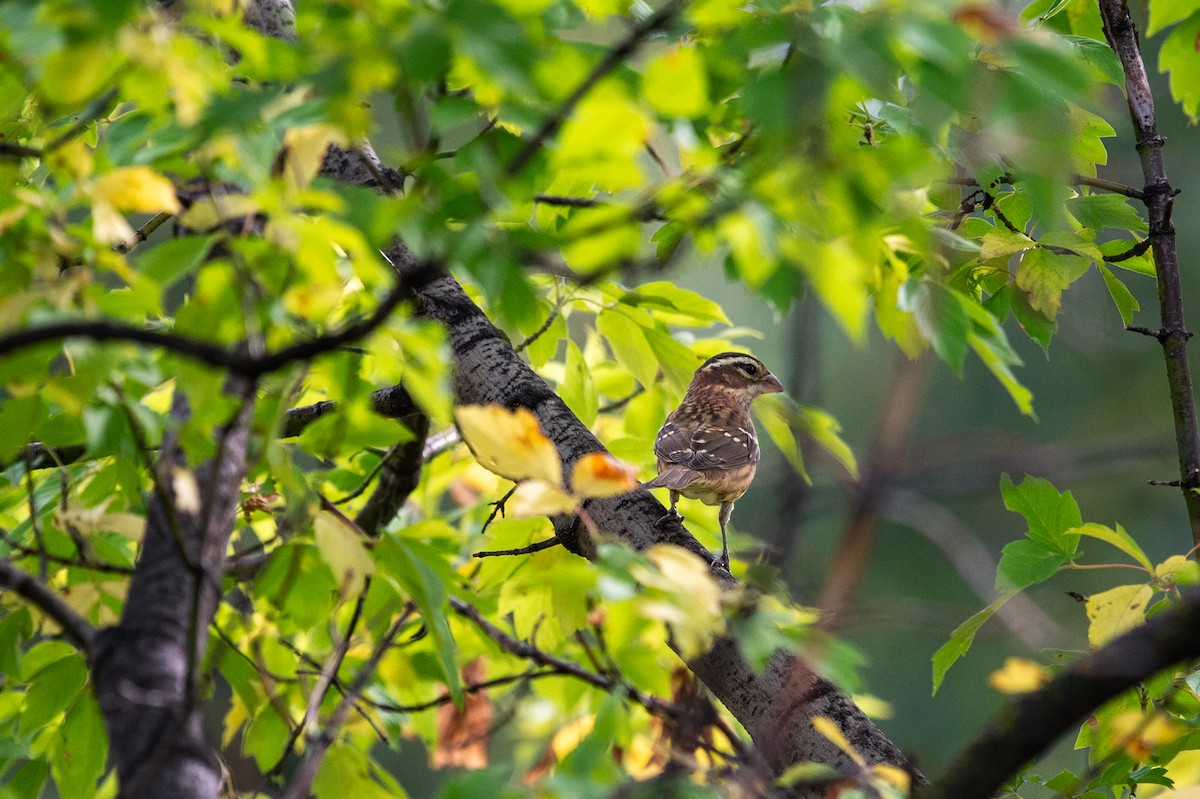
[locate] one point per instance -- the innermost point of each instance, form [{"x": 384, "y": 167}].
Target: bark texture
[{"x": 145, "y": 668}]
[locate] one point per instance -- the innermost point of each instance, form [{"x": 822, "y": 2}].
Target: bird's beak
[{"x": 771, "y": 385}]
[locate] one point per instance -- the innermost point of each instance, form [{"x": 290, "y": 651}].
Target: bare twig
[{"x": 526, "y": 550}]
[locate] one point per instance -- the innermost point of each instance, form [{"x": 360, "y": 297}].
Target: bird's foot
[
  {"x": 722, "y": 560},
  {"x": 670, "y": 516}
]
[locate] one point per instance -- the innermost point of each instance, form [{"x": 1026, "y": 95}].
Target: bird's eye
[{"x": 749, "y": 368}]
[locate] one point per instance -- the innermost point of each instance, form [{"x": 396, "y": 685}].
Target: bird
[{"x": 708, "y": 449}]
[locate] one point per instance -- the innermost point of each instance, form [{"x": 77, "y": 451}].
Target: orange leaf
[
  {"x": 599, "y": 474},
  {"x": 463, "y": 735}
]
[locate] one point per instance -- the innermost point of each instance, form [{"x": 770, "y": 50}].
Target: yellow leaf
[
  {"x": 158, "y": 399},
  {"x": 829, "y": 728},
  {"x": 599, "y": 474},
  {"x": 1139, "y": 737},
  {"x": 136, "y": 188},
  {"x": 209, "y": 212},
  {"x": 305, "y": 150},
  {"x": 343, "y": 550},
  {"x": 873, "y": 706},
  {"x": 894, "y": 776},
  {"x": 509, "y": 443},
  {"x": 683, "y": 594},
  {"x": 187, "y": 493},
  {"x": 1018, "y": 676},
  {"x": 566, "y": 739},
  {"x": 1178, "y": 570},
  {"x": 539, "y": 498},
  {"x": 109, "y": 226},
  {"x": 1116, "y": 611}
]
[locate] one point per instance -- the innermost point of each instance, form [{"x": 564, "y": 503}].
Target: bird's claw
[
  {"x": 722, "y": 560},
  {"x": 669, "y": 516}
]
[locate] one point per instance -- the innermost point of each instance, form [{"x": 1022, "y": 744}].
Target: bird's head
[{"x": 744, "y": 374}]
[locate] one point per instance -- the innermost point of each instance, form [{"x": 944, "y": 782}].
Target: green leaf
[
  {"x": 1097, "y": 55},
  {"x": 673, "y": 305},
  {"x": 80, "y": 763},
  {"x": 675, "y": 83},
  {"x": 1165, "y": 13},
  {"x": 52, "y": 690},
  {"x": 1100, "y": 211},
  {"x": 1051, "y": 515},
  {"x": 1032, "y": 321},
  {"x": 821, "y": 426},
  {"x": 940, "y": 317},
  {"x": 998, "y": 357},
  {"x": 1044, "y": 275},
  {"x": 1178, "y": 56},
  {"x": 776, "y": 414},
  {"x": 1122, "y": 297},
  {"x": 577, "y": 389},
  {"x": 428, "y": 592},
  {"x": 961, "y": 639},
  {"x": 1024, "y": 563},
  {"x": 627, "y": 340},
  {"x": 1118, "y": 538},
  {"x": 167, "y": 262}
]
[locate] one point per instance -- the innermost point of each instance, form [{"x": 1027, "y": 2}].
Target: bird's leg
[
  {"x": 726, "y": 512},
  {"x": 672, "y": 513}
]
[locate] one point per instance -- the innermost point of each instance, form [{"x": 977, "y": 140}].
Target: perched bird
[{"x": 707, "y": 449}]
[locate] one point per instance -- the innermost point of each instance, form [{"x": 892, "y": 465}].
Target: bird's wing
[{"x": 706, "y": 447}]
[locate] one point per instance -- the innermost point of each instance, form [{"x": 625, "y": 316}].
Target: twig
[
  {"x": 612, "y": 59},
  {"x": 527, "y": 550},
  {"x": 471, "y": 688},
  {"x": 302, "y": 780},
  {"x": 535, "y": 335},
  {"x": 497, "y": 508},
  {"x": 514, "y": 646},
  {"x": 568, "y": 202},
  {"x": 1159, "y": 197},
  {"x": 143, "y": 233},
  {"x": 36, "y": 524},
  {"x": 74, "y": 626},
  {"x": 326, "y": 677}
]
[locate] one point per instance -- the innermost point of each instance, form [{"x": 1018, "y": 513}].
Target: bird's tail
[{"x": 674, "y": 477}]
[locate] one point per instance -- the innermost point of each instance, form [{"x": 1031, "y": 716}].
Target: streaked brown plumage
[{"x": 708, "y": 448}]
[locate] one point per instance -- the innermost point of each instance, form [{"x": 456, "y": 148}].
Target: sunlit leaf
[
  {"x": 509, "y": 443},
  {"x": 1018, "y": 676},
  {"x": 1115, "y": 611},
  {"x": 343, "y": 549},
  {"x": 599, "y": 474}
]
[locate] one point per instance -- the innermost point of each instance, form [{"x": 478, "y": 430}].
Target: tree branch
[
  {"x": 234, "y": 362},
  {"x": 1159, "y": 197},
  {"x": 75, "y": 627},
  {"x": 1029, "y": 725}
]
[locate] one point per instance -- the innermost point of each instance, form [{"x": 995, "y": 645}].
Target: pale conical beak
[{"x": 771, "y": 385}]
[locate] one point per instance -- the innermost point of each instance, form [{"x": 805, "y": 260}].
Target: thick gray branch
[{"x": 145, "y": 668}]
